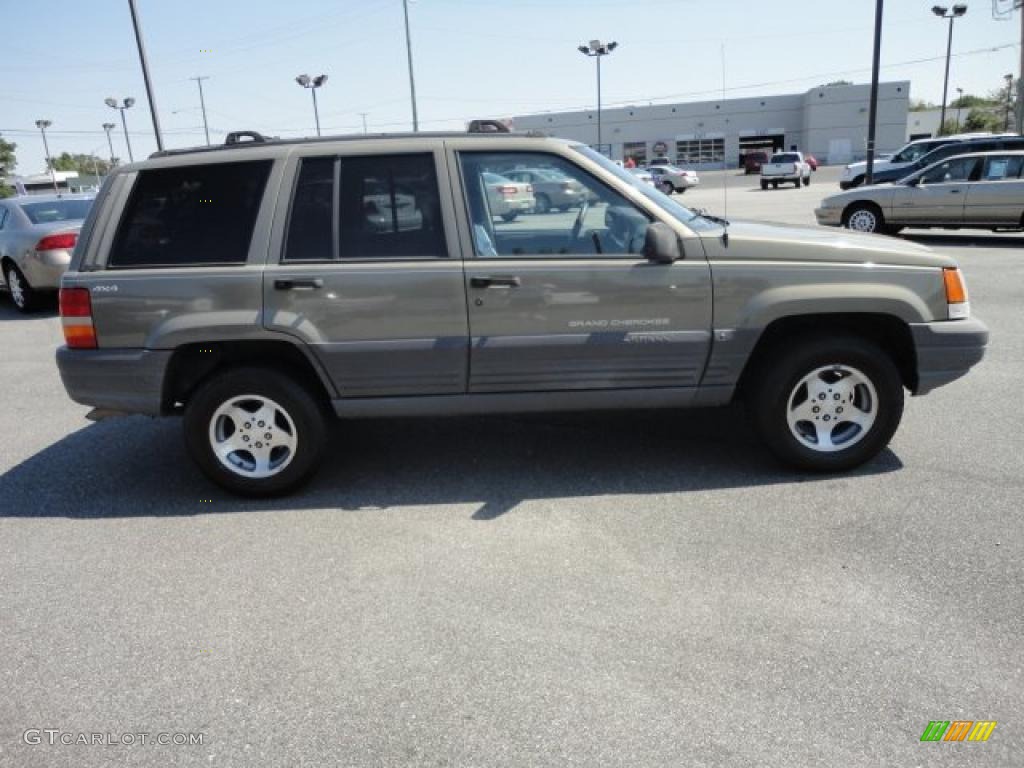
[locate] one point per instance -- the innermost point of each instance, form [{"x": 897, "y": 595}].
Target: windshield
[
  {"x": 786, "y": 157},
  {"x": 910, "y": 153},
  {"x": 692, "y": 219},
  {"x": 56, "y": 210}
]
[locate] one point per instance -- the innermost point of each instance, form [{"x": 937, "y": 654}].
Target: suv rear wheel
[
  {"x": 255, "y": 431},
  {"x": 827, "y": 404}
]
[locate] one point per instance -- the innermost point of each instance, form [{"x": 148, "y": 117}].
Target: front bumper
[
  {"x": 829, "y": 217},
  {"x": 946, "y": 350},
  {"x": 126, "y": 380}
]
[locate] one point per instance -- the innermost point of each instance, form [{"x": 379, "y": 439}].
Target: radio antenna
[{"x": 725, "y": 165}]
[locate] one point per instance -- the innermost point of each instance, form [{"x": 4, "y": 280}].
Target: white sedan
[{"x": 669, "y": 178}]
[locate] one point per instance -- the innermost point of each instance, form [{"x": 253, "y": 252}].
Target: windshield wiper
[{"x": 705, "y": 215}]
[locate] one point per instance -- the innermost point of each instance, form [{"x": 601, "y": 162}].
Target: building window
[{"x": 696, "y": 151}]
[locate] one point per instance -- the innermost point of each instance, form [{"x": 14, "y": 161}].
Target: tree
[
  {"x": 84, "y": 164},
  {"x": 967, "y": 101},
  {"x": 835, "y": 83},
  {"x": 920, "y": 105},
  {"x": 7, "y": 164},
  {"x": 949, "y": 128},
  {"x": 983, "y": 120}
]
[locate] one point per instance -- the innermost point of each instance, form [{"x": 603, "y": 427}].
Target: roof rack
[{"x": 238, "y": 140}]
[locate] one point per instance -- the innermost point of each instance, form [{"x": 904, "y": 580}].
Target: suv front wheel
[
  {"x": 827, "y": 404},
  {"x": 255, "y": 431}
]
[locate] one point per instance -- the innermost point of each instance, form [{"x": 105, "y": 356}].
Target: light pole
[
  {"x": 111, "y": 102},
  {"x": 1009, "y": 100},
  {"x": 108, "y": 127},
  {"x": 597, "y": 50},
  {"x": 313, "y": 83},
  {"x": 145, "y": 75},
  {"x": 959, "y": 106},
  {"x": 363, "y": 115},
  {"x": 943, "y": 12},
  {"x": 412, "y": 80},
  {"x": 42, "y": 125},
  {"x": 202, "y": 103},
  {"x": 876, "y": 59}
]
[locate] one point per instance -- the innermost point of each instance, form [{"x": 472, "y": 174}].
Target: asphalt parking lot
[{"x": 641, "y": 589}]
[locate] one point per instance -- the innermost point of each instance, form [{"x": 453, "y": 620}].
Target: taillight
[
  {"x": 58, "y": 242},
  {"x": 508, "y": 191},
  {"x": 76, "y": 318}
]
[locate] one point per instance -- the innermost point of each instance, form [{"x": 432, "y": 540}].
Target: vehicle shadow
[
  {"x": 134, "y": 466},
  {"x": 9, "y": 312},
  {"x": 965, "y": 240}
]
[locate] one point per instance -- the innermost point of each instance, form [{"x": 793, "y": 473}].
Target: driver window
[
  {"x": 530, "y": 205},
  {"x": 958, "y": 169}
]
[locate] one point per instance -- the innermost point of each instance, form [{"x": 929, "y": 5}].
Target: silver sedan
[
  {"x": 983, "y": 190},
  {"x": 37, "y": 235}
]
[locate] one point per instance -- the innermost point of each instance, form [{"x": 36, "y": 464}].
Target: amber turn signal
[{"x": 956, "y": 291}]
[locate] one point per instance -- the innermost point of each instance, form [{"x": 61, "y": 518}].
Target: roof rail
[
  {"x": 488, "y": 126},
  {"x": 235, "y": 137}
]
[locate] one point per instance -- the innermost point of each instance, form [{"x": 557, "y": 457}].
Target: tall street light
[
  {"x": 313, "y": 83},
  {"x": 108, "y": 127},
  {"x": 42, "y": 125},
  {"x": 1009, "y": 100},
  {"x": 876, "y": 59},
  {"x": 145, "y": 74},
  {"x": 111, "y": 102},
  {"x": 597, "y": 50},
  {"x": 943, "y": 12},
  {"x": 412, "y": 80}
]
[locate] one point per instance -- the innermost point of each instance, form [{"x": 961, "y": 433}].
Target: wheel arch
[
  {"x": 862, "y": 203},
  {"x": 889, "y": 331},
  {"x": 192, "y": 364}
]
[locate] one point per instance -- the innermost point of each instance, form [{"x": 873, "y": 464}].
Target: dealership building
[{"x": 829, "y": 122}]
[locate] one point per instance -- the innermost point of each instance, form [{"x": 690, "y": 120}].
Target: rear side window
[
  {"x": 310, "y": 236},
  {"x": 999, "y": 168},
  {"x": 390, "y": 208},
  {"x": 194, "y": 215}
]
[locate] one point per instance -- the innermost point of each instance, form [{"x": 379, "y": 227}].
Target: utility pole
[
  {"x": 108, "y": 127},
  {"x": 1020, "y": 75},
  {"x": 1009, "y": 102},
  {"x": 363, "y": 115},
  {"x": 202, "y": 103},
  {"x": 145, "y": 76},
  {"x": 42, "y": 125},
  {"x": 412, "y": 80},
  {"x": 873, "y": 106}
]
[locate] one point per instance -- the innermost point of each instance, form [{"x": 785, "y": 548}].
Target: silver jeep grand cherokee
[{"x": 256, "y": 288}]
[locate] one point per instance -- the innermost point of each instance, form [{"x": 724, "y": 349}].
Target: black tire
[
  {"x": 667, "y": 187},
  {"x": 775, "y": 185},
  {"x": 774, "y": 380},
  {"x": 861, "y": 224},
  {"x": 305, "y": 411},
  {"x": 510, "y": 216},
  {"x": 797, "y": 183},
  {"x": 764, "y": 185},
  {"x": 807, "y": 180},
  {"x": 27, "y": 299},
  {"x": 542, "y": 203}
]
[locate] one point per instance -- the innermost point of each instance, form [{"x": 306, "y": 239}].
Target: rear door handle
[
  {"x": 493, "y": 281},
  {"x": 954, "y": 191},
  {"x": 298, "y": 285}
]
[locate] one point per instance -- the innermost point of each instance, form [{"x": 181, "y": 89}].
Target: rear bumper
[
  {"x": 43, "y": 269},
  {"x": 946, "y": 350},
  {"x": 128, "y": 380}
]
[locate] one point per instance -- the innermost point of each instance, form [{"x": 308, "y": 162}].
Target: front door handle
[
  {"x": 494, "y": 281},
  {"x": 954, "y": 191},
  {"x": 299, "y": 285}
]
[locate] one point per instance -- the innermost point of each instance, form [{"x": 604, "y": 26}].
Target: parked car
[
  {"x": 752, "y": 162},
  {"x": 508, "y": 198},
  {"x": 551, "y": 190},
  {"x": 669, "y": 178},
  {"x": 37, "y": 235},
  {"x": 975, "y": 191},
  {"x": 254, "y": 328},
  {"x": 785, "y": 167},
  {"x": 986, "y": 144},
  {"x": 643, "y": 174},
  {"x": 853, "y": 175}
]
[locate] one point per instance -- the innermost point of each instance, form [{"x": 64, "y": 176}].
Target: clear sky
[{"x": 474, "y": 58}]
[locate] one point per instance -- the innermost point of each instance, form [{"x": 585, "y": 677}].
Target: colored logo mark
[{"x": 958, "y": 730}]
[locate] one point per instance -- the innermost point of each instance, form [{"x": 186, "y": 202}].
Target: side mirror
[
  {"x": 914, "y": 181},
  {"x": 661, "y": 244}
]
